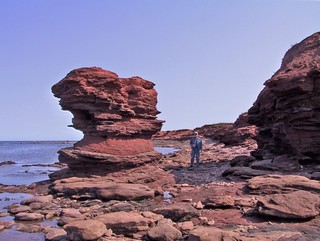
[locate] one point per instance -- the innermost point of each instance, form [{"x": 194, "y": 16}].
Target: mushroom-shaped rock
[{"x": 116, "y": 115}]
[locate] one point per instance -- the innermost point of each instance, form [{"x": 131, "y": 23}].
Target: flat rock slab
[
  {"x": 281, "y": 163},
  {"x": 273, "y": 183},
  {"x": 216, "y": 234},
  {"x": 125, "y": 191},
  {"x": 54, "y": 234},
  {"x": 244, "y": 172},
  {"x": 219, "y": 202},
  {"x": 28, "y": 216},
  {"x": 178, "y": 212},
  {"x": 164, "y": 231},
  {"x": 295, "y": 205},
  {"x": 18, "y": 209},
  {"x": 3, "y": 214},
  {"x": 125, "y": 222},
  {"x": 37, "y": 199},
  {"x": 87, "y": 160},
  {"x": 85, "y": 230},
  {"x": 211, "y": 234},
  {"x": 6, "y": 224},
  {"x": 105, "y": 190}
]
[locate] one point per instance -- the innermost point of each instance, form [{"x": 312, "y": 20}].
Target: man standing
[{"x": 196, "y": 147}]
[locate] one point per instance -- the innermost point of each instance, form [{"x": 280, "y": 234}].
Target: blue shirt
[{"x": 196, "y": 143}]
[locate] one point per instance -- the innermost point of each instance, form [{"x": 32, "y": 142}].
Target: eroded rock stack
[
  {"x": 287, "y": 111},
  {"x": 116, "y": 115}
]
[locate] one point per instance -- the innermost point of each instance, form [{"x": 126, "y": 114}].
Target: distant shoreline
[{"x": 41, "y": 142}]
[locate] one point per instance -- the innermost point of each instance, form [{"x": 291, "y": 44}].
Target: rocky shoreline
[
  {"x": 169, "y": 201},
  {"x": 258, "y": 178}
]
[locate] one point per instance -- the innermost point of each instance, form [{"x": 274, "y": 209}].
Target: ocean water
[{"x": 31, "y": 158}]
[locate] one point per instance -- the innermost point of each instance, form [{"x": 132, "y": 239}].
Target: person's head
[{"x": 196, "y": 134}]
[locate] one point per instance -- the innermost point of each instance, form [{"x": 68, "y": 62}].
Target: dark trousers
[{"x": 195, "y": 153}]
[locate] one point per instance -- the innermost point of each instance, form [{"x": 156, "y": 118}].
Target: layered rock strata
[
  {"x": 287, "y": 111},
  {"x": 238, "y": 133},
  {"x": 116, "y": 115}
]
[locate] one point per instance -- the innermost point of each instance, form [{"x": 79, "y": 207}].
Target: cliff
[{"x": 287, "y": 111}]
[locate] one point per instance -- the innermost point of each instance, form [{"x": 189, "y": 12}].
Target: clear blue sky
[{"x": 208, "y": 58}]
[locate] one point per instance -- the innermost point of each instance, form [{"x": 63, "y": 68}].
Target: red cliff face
[
  {"x": 287, "y": 111},
  {"x": 116, "y": 115}
]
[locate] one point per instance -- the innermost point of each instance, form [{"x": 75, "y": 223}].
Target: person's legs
[
  {"x": 198, "y": 157},
  {"x": 193, "y": 153}
]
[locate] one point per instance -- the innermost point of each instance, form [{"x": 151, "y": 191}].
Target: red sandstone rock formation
[
  {"x": 116, "y": 115},
  {"x": 239, "y": 133},
  {"x": 287, "y": 111}
]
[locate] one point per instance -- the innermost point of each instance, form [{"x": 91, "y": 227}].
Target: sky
[{"x": 208, "y": 58}]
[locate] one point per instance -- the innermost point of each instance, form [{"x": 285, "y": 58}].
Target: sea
[
  {"x": 31, "y": 161},
  {"x": 26, "y": 162}
]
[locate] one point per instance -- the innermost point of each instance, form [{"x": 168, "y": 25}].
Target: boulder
[
  {"x": 185, "y": 227},
  {"x": 219, "y": 202},
  {"x": 29, "y": 227},
  {"x": 125, "y": 223},
  {"x": 23, "y": 216},
  {"x": 37, "y": 199},
  {"x": 164, "y": 232},
  {"x": 153, "y": 216},
  {"x": 178, "y": 211},
  {"x": 71, "y": 213},
  {"x": 294, "y": 205},
  {"x": 274, "y": 183},
  {"x": 55, "y": 234},
  {"x": 14, "y": 209},
  {"x": 118, "y": 206},
  {"x": 244, "y": 172},
  {"x": 63, "y": 220},
  {"x": 85, "y": 230},
  {"x": 282, "y": 163},
  {"x": 6, "y": 224},
  {"x": 3, "y": 214}
]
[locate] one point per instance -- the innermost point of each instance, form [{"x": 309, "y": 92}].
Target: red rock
[
  {"x": 55, "y": 234},
  {"x": 295, "y": 205},
  {"x": 116, "y": 115},
  {"x": 105, "y": 190},
  {"x": 18, "y": 209},
  {"x": 178, "y": 211},
  {"x": 219, "y": 202},
  {"x": 181, "y": 135},
  {"x": 227, "y": 133},
  {"x": 273, "y": 183},
  {"x": 211, "y": 234},
  {"x": 125, "y": 223},
  {"x": 164, "y": 231},
  {"x": 6, "y": 224},
  {"x": 287, "y": 111},
  {"x": 23, "y": 216},
  {"x": 37, "y": 199},
  {"x": 85, "y": 230},
  {"x": 125, "y": 191}
]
